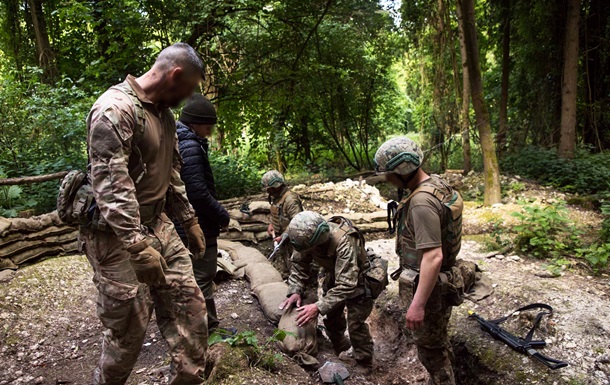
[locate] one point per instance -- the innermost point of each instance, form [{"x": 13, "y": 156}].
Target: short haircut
[{"x": 180, "y": 55}]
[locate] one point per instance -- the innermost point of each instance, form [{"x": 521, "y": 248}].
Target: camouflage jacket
[
  {"x": 122, "y": 181},
  {"x": 283, "y": 208},
  {"x": 342, "y": 266}
]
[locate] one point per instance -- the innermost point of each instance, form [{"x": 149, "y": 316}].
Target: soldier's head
[
  {"x": 200, "y": 115},
  {"x": 273, "y": 182},
  {"x": 179, "y": 70},
  {"x": 399, "y": 160},
  {"x": 307, "y": 231}
]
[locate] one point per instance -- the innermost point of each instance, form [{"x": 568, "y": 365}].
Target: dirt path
[{"x": 49, "y": 332}]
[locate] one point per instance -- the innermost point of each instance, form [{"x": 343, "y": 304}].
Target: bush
[
  {"x": 545, "y": 231},
  {"x": 235, "y": 176},
  {"x": 587, "y": 173}
]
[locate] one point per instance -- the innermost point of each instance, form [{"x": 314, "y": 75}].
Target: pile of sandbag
[
  {"x": 26, "y": 239},
  {"x": 267, "y": 286}
]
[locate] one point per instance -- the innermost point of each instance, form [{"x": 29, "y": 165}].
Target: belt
[{"x": 150, "y": 212}]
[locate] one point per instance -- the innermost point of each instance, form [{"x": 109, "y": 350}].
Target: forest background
[{"x": 313, "y": 87}]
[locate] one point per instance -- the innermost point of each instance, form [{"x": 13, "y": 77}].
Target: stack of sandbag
[
  {"x": 265, "y": 281},
  {"x": 27, "y": 239},
  {"x": 244, "y": 227}
]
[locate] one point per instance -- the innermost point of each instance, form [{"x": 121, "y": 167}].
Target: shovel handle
[{"x": 338, "y": 380}]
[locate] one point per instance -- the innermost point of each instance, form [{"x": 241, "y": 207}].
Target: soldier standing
[
  {"x": 427, "y": 243},
  {"x": 139, "y": 262},
  {"x": 285, "y": 204},
  {"x": 194, "y": 127},
  {"x": 338, "y": 248}
]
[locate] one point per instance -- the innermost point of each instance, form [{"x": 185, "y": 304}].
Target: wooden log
[{"x": 32, "y": 179}]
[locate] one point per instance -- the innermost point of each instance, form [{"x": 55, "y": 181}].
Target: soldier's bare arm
[
  {"x": 347, "y": 273},
  {"x": 109, "y": 143},
  {"x": 432, "y": 260}
]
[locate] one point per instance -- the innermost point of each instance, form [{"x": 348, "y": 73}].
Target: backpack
[
  {"x": 374, "y": 269},
  {"x": 75, "y": 202}
]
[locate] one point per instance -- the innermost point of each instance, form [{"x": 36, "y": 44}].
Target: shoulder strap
[
  {"x": 346, "y": 227},
  {"x": 283, "y": 198},
  {"x": 140, "y": 128},
  {"x": 530, "y": 334}
]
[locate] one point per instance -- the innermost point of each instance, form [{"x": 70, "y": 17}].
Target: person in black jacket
[{"x": 194, "y": 127}]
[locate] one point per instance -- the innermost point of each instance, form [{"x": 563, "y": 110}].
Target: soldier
[
  {"x": 139, "y": 262},
  {"x": 285, "y": 204},
  {"x": 427, "y": 243},
  {"x": 194, "y": 127},
  {"x": 338, "y": 248}
]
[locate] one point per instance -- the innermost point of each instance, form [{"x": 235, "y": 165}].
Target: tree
[
  {"x": 503, "y": 116},
  {"x": 465, "y": 113},
  {"x": 491, "y": 170},
  {"x": 567, "y": 140},
  {"x": 46, "y": 55}
]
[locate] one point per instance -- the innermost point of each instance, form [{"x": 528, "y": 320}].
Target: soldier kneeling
[{"x": 338, "y": 247}]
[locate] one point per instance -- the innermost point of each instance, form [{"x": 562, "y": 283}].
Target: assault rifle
[
  {"x": 525, "y": 345},
  {"x": 277, "y": 246}
]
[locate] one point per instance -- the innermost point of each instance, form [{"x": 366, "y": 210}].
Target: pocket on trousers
[{"x": 115, "y": 303}]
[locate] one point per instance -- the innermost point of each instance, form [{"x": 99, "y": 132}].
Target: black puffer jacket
[{"x": 199, "y": 180}]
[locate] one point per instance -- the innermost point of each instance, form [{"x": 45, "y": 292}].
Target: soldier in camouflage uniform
[
  {"x": 139, "y": 262},
  {"x": 340, "y": 250},
  {"x": 285, "y": 204},
  {"x": 428, "y": 241}
]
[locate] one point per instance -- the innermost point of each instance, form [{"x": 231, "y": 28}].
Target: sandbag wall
[
  {"x": 253, "y": 228},
  {"x": 26, "y": 239}
]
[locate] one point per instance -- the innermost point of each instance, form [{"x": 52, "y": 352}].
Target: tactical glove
[
  {"x": 148, "y": 264},
  {"x": 195, "y": 237}
]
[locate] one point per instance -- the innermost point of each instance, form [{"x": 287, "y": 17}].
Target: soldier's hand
[
  {"x": 290, "y": 301},
  {"x": 149, "y": 266},
  {"x": 415, "y": 317},
  {"x": 270, "y": 229},
  {"x": 307, "y": 314},
  {"x": 196, "y": 239}
]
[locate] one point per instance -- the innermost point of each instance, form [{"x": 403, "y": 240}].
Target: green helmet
[
  {"x": 307, "y": 230},
  {"x": 272, "y": 179},
  {"x": 399, "y": 155}
]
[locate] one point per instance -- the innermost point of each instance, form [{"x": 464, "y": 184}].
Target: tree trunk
[
  {"x": 567, "y": 139},
  {"x": 491, "y": 170},
  {"x": 503, "y": 118},
  {"x": 46, "y": 56},
  {"x": 465, "y": 114}
]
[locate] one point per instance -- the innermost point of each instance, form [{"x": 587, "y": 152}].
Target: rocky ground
[{"x": 49, "y": 332}]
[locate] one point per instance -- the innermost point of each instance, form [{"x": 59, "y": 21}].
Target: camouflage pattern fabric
[
  {"x": 125, "y": 306},
  {"x": 343, "y": 288},
  {"x": 432, "y": 340},
  {"x": 283, "y": 208},
  {"x": 272, "y": 179},
  {"x": 398, "y": 155}
]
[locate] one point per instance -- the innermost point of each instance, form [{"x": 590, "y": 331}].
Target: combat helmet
[
  {"x": 399, "y": 155},
  {"x": 272, "y": 179},
  {"x": 307, "y": 230}
]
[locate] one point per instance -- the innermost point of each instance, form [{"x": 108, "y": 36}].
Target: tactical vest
[
  {"x": 451, "y": 230},
  {"x": 279, "y": 220}
]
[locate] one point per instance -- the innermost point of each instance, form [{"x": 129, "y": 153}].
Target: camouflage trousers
[
  {"x": 125, "y": 306},
  {"x": 336, "y": 322},
  {"x": 432, "y": 340}
]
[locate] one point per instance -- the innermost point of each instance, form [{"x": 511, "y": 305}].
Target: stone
[
  {"x": 234, "y": 315},
  {"x": 499, "y": 256}
]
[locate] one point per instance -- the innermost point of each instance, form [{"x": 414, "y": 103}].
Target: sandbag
[
  {"x": 270, "y": 296},
  {"x": 6, "y": 263},
  {"x": 301, "y": 343},
  {"x": 262, "y": 236},
  {"x": 262, "y": 273},
  {"x": 260, "y": 207},
  {"x": 238, "y": 236},
  {"x": 19, "y": 247},
  {"x": 49, "y": 231},
  {"x": 32, "y": 224},
  {"x": 5, "y": 224},
  {"x": 36, "y": 253}
]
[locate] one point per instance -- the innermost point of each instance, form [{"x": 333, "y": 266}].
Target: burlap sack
[
  {"x": 262, "y": 273},
  {"x": 270, "y": 296},
  {"x": 302, "y": 342}
]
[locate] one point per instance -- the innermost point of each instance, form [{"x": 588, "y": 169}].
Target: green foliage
[
  {"x": 258, "y": 355},
  {"x": 596, "y": 255},
  {"x": 587, "y": 173},
  {"x": 235, "y": 176},
  {"x": 545, "y": 231},
  {"x": 605, "y": 230}
]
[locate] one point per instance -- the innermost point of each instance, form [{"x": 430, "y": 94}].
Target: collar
[{"x": 131, "y": 80}]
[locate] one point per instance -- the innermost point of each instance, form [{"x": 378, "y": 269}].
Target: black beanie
[{"x": 198, "y": 110}]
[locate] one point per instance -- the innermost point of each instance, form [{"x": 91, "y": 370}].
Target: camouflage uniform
[
  {"x": 432, "y": 340},
  {"x": 134, "y": 177},
  {"x": 341, "y": 259},
  {"x": 284, "y": 207}
]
